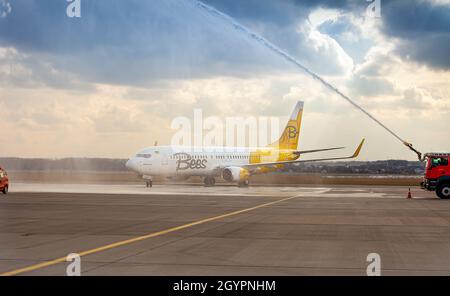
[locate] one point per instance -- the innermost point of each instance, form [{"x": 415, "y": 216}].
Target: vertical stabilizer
[{"x": 291, "y": 133}]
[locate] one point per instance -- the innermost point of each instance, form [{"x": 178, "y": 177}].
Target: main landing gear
[
  {"x": 243, "y": 184},
  {"x": 209, "y": 181}
]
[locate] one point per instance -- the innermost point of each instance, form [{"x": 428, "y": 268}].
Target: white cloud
[
  {"x": 321, "y": 15},
  {"x": 328, "y": 56},
  {"x": 5, "y": 8}
]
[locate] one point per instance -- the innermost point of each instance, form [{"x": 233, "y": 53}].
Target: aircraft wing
[
  {"x": 275, "y": 164},
  {"x": 317, "y": 150}
]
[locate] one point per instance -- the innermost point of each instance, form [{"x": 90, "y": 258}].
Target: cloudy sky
[{"x": 111, "y": 82}]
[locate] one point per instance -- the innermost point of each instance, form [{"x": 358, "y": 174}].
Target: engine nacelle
[{"x": 235, "y": 174}]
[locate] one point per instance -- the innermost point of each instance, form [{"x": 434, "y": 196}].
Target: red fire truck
[
  {"x": 4, "y": 182},
  {"x": 437, "y": 174}
]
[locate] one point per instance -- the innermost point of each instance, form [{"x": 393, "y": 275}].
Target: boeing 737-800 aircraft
[{"x": 233, "y": 164}]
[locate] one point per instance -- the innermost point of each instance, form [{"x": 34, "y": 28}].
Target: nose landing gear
[{"x": 148, "y": 181}]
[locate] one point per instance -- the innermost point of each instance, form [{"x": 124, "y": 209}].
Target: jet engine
[{"x": 235, "y": 174}]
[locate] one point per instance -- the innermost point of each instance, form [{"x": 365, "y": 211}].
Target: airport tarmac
[{"x": 222, "y": 230}]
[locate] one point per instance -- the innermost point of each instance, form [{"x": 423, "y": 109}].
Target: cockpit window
[{"x": 144, "y": 155}]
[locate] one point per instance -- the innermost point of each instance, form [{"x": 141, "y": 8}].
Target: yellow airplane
[{"x": 233, "y": 164}]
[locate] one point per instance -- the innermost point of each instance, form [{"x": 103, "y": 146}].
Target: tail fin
[{"x": 291, "y": 134}]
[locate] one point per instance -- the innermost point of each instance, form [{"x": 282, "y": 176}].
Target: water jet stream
[{"x": 239, "y": 27}]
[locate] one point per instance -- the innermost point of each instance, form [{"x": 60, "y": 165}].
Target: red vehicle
[
  {"x": 4, "y": 182},
  {"x": 437, "y": 174}
]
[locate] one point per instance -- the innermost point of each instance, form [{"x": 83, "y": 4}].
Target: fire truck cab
[
  {"x": 4, "y": 182},
  {"x": 437, "y": 174}
]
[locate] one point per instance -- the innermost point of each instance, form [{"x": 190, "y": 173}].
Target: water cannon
[{"x": 410, "y": 146}]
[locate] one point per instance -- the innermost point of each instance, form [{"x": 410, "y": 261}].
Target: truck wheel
[
  {"x": 5, "y": 190},
  {"x": 443, "y": 190}
]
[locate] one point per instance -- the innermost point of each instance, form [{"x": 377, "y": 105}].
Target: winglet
[{"x": 358, "y": 149}]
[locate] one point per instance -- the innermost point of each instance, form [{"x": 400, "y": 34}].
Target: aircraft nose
[{"x": 131, "y": 164}]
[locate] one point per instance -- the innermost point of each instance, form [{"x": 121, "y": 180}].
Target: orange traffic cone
[{"x": 409, "y": 193}]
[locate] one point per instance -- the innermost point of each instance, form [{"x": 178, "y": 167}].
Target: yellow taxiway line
[{"x": 140, "y": 238}]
